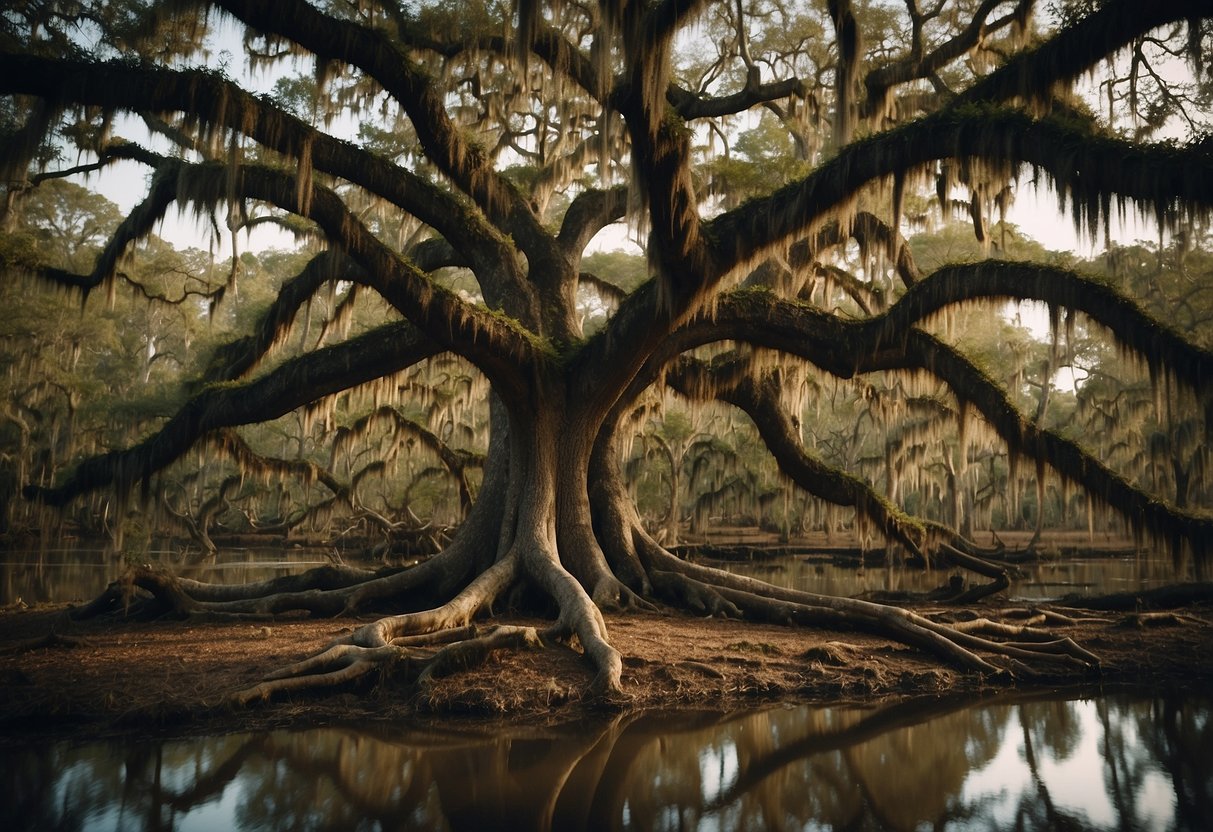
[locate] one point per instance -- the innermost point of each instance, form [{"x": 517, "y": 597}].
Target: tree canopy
[{"x": 449, "y": 166}]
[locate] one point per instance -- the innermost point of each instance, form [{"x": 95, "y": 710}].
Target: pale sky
[{"x": 1036, "y": 214}]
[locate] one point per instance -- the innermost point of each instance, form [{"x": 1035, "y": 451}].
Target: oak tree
[{"x": 496, "y": 140}]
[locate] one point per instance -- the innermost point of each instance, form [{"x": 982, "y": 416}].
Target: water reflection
[
  {"x": 1036, "y": 581},
  {"x": 76, "y": 574},
  {"x": 1117, "y": 762},
  {"x": 82, "y": 573}
]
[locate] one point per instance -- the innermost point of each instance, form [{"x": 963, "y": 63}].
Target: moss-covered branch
[
  {"x": 218, "y": 103},
  {"x": 1147, "y": 514},
  {"x": 232, "y": 360},
  {"x": 759, "y": 398},
  {"x": 893, "y": 342},
  {"x": 880, "y": 81},
  {"x": 691, "y": 106},
  {"x": 295, "y": 383},
  {"x": 493, "y": 343},
  {"x": 373, "y": 52},
  {"x": 1134, "y": 328},
  {"x": 589, "y": 213},
  {"x": 231, "y": 444},
  {"x": 1094, "y": 172},
  {"x": 1078, "y": 48},
  {"x": 137, "y": 225},
  {"x": 849, "y": 348}
]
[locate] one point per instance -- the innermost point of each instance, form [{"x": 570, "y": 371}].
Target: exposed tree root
[
  {"x": 1001, "y": 577},
  {"x": 1163, "y": 597},
  {"x": 558, "y": 390},
  {"x": 51, "y": 639},
  {"x": 997, "y": 628},
  {"x": 692, "y": 594},
  {"x": 1051, "y": 615},
  {"x": 426, "y": 644},
  {"x": 1141, "y": 620},
  {"x": 149, "y": 593},
  {"x": 434, "y": 642},
  {"x": 388, "y": 641},
  {"x": 959, "y": 646},
  {"x": 344, "y": 663}
]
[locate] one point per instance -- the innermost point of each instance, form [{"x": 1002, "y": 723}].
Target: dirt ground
[{"x": 98, "y": 678}]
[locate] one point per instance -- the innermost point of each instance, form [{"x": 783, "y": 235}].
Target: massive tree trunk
[{"x": 552, "y": 526}]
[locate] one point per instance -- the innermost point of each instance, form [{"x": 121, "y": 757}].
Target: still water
[
  {"x": 80, "y": 574},
  {"x": 1123, "y": 761},
  {"x": 1048, "y": 579}
]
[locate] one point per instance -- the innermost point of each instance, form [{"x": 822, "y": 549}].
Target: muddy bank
[{"x": 95, "y": 678}]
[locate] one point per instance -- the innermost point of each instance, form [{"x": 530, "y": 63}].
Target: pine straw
[{"x": 123, "y": 677}]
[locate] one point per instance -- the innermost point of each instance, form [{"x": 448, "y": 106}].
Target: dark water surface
[
  {"x": 1043, "y": 580},
  {"x": 81, "y": 573},
  {"x": 1115, "y": 762}
]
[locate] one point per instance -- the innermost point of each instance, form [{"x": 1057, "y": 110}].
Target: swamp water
[
  {"x": 80, "y": 574},
  {"x": 1117, "y": 761},
  {"x": 1125, "y": 761},
  {"x": 1043, "y": 580}
]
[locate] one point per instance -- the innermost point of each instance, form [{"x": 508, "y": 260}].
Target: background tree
[{"x": 495, "y": 141}]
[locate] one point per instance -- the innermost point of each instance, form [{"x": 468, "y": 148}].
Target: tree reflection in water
[{"x": 1142, "y": 763}]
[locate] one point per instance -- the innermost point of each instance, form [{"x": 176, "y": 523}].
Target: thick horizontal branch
[
  {"x": 1091, "y": 170},
  {"x": 849, "y": 348},
  {"x": 436, "y": 253},
  {"x": 692, "y": 106},
  {"x": 760, "y": 400},
  {"x": 590, "y": 212},
  {"x": 232, "y": 360},
  {"x": 1075, "y": 50},
  {"x": 492, "y": 343},
  {"x": 295, "y": 383},
  {"x": 134, "y": 227},
  {"x": 1155, "y": 341},
  {"x": 1147, "y": 513},
  {"x": 892, "y": 342},
  {"x": 488, "y": 341},
  {"x": 216, "y": 101},
  {"x": 371, "y": 51}
]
